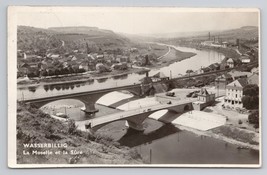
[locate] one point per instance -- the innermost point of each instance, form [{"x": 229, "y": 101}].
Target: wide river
[
  {"x": 160, "y": 143},
  {"x": 202, "y": 58}
]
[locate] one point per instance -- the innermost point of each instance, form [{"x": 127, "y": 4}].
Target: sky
[{"x": 138, "y": 20}]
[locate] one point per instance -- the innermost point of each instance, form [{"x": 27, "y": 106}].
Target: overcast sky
[{"x": 138, "y": 20}]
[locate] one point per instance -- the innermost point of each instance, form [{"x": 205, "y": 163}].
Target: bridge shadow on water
[{"x": 135, "y": 138}]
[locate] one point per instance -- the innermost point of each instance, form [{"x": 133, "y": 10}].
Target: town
[{"x": 207, "y": 84}]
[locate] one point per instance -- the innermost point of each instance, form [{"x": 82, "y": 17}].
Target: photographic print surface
[{"x": 132, "y": 86}]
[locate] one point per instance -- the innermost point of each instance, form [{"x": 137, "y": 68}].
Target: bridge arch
[
  {"x": 88, "y": 98},
  {"x": 65, "y": 106},
  {"x": 115, "y": 96}
]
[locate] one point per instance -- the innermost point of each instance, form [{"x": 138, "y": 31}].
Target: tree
[
  {"x": 189, "y": 71},
  {"x": 57, "y": 72},
  {"x": 51, "y": 72},
  {"x": 250, "y": 99},
  {"x": 253, "y": 118},
  {"x": 251, "y": 90}
]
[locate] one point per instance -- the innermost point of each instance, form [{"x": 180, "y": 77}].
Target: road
[
  {"x": 129, "y": 113},
  {"x": 165, "y": 53}
]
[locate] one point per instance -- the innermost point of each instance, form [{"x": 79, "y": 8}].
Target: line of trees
[{"x": 53, "y": 72}]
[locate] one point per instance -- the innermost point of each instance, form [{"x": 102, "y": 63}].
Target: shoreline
[
  {"x": 209, "y": 133},
  {"x": 96, "y": 76},
  {"x": 83, "y": 79}
]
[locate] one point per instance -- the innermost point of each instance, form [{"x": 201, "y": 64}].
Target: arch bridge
[
  {"x": 136, "y": 117},
  {"x": 88, "y": 98}
]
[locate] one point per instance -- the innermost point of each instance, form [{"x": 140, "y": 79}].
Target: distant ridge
[
  {"x": 32, "y": 38},
  {"x": 81, "y": 30}
]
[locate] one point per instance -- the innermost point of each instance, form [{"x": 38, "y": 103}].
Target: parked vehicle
[
  {"x": 194, "y": 95},
  {"x": 189, "y": 94},
  {"x": 171, "y": 94}
]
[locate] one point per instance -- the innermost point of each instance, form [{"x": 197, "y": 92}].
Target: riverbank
[
  {"x": 80, "y": 78},
  {"x": 220, "y": 134},
  {"x": 227, "y": 52},
  {"x": 171, "y": 56},
  {"x": 70, "y": 146}
]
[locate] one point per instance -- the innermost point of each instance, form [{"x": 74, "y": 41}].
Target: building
[
  {"x": 230, "y": 63},
  {"x": 204, "y": 99},
  {"x": 205, "y": 69},
  {"x": 245, "y": 59},
  {"x": 225, "y": 44},
  {"x": 214, "y": 67},
  {"x": 234, "y": 93},
  {"x": 255, "y": 70},
  {"x": 253, "y": 79},
  {"x": 84, "y": 65},
  {"x": 122, "y": 59},
  {"x": 222, "y": 80},
  {"x": 239, "y": 74},
  {"x": 159, "y": 77}
]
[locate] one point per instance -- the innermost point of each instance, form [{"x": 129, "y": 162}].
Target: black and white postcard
[{"x": 133, "y": 87}]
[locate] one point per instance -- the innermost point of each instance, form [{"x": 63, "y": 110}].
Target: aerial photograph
[{"x": 137, "y": 86}]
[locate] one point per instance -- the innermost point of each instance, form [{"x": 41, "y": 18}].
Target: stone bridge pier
[
  {"x": 137, "y": 122},
  {"x": 89, "y": 103}
]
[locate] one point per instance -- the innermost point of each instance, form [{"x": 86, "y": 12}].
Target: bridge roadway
[{"x": 136, "y": 117}]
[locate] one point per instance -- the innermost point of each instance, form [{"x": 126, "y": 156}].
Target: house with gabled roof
[
  {"x": 204, "y": 99},
  {"x": 160, "y": 76},
  {"x": 234, "y": 93}
]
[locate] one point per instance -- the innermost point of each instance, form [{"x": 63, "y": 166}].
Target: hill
[
  {"x": 245, "y": 33},
  {"x": 37, "y": 128},
  {"x": 36, "y": 39},
  {"x": 65, "y": 39}
]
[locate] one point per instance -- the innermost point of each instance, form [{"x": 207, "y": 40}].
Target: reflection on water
[
  {"x": 102, "y": 80},
  {"x": 202, "y": 59},
  {"x": 134, "y": 138},
  {"x": 32, "y": 88},
  {"x": 65, "y": 86}
]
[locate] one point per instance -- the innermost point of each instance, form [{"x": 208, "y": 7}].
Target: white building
[
  {"x": 230, "y": 63},
  {"x": 234, "y": 93}
]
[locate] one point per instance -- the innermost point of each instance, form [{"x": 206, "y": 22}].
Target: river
[
  {"x": 202, "y": 58},
  {"x": 160, "y": 143}
]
